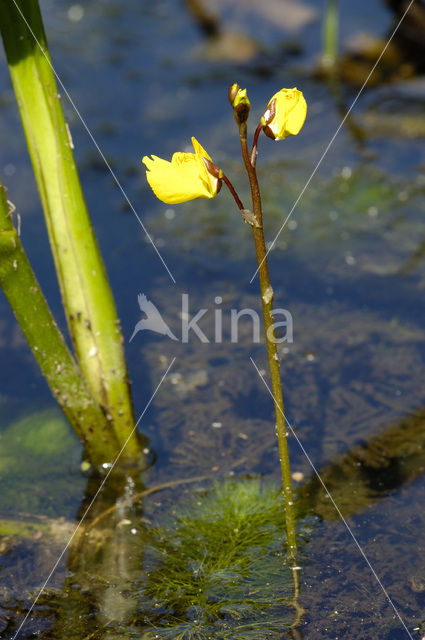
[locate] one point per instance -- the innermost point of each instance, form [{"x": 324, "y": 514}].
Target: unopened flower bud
[{"x": 240, "y": 103}]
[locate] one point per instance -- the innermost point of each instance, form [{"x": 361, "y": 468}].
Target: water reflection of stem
[
  {"x": 273, "y": 358},
  {"x": 299, "y": 610},
  {"x": 104, "y": 564},
  {"x": 296, "y": 634},
  {"x": 160, "y": 487},
  {"x": 134, "y": 497}
]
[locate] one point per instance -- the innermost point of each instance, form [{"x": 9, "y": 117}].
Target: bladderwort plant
[
  {"x": 213, "y": 567},
  {"x": 194, "y": 175}
]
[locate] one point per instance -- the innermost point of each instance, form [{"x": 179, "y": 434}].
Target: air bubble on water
[
  {"x": 75, "y": 13},
  {"x": 372, "y": 212}
]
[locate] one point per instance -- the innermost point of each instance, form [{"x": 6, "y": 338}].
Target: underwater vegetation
[
  {"x": 210, "y": 564},
  {"x": 217, "y": 567},
  {"x": 33, "y": 449}
]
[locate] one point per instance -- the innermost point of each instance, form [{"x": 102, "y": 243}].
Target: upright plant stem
[
  {"x": 23, "y": 292},
  {"x": 330, "y": 36},
  {"x": 267, "y": 304},
  {"x": 87, "y": 298}
]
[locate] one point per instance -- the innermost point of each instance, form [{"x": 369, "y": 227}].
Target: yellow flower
[
  {"x": 184, "y": 178},
  {"x": 285, "y": 114}
]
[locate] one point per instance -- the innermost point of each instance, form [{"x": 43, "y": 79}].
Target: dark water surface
[{"x": 349, "y": 266}]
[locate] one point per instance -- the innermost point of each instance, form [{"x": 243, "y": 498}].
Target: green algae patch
[
  {"x": 43, "y": 436},
  {"x": 37, "y": 453}
]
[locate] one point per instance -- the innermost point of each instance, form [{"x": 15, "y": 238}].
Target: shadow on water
[{"x": 370, "y": 470}]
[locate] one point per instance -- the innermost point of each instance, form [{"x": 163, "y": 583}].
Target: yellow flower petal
[
  {"x": 199, "y": 149},
  {"x": 184, "y": 178},
  {"x": 285, "y": 114}
]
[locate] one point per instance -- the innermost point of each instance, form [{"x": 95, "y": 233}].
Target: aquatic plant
[
  {"x": 194, "y": 175},
  {"x": 92, "y": 384},
  {"x": 216, "y": 567},
  {"x": 330, "y": 25}
]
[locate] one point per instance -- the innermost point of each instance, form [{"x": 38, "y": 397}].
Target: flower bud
[
  {"x": 285, "y": 114},
  {"x": 240, "y": 103},
  {"x": 233, "y": 92}
]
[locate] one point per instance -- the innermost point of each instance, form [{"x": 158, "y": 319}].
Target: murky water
[{"x": 349, "y": 267}]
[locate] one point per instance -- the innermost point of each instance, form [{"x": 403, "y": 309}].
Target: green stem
[
  {"x": 267, "y": 300},
  {"x": 87, "y": 298},
  {"x": 23, "y": 292},
  {"x": 330, "y": 36}
]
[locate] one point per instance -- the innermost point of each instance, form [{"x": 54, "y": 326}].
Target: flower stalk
[
  {"x": 272, "y": 354},
  {"x": 194, "y": 175}
]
